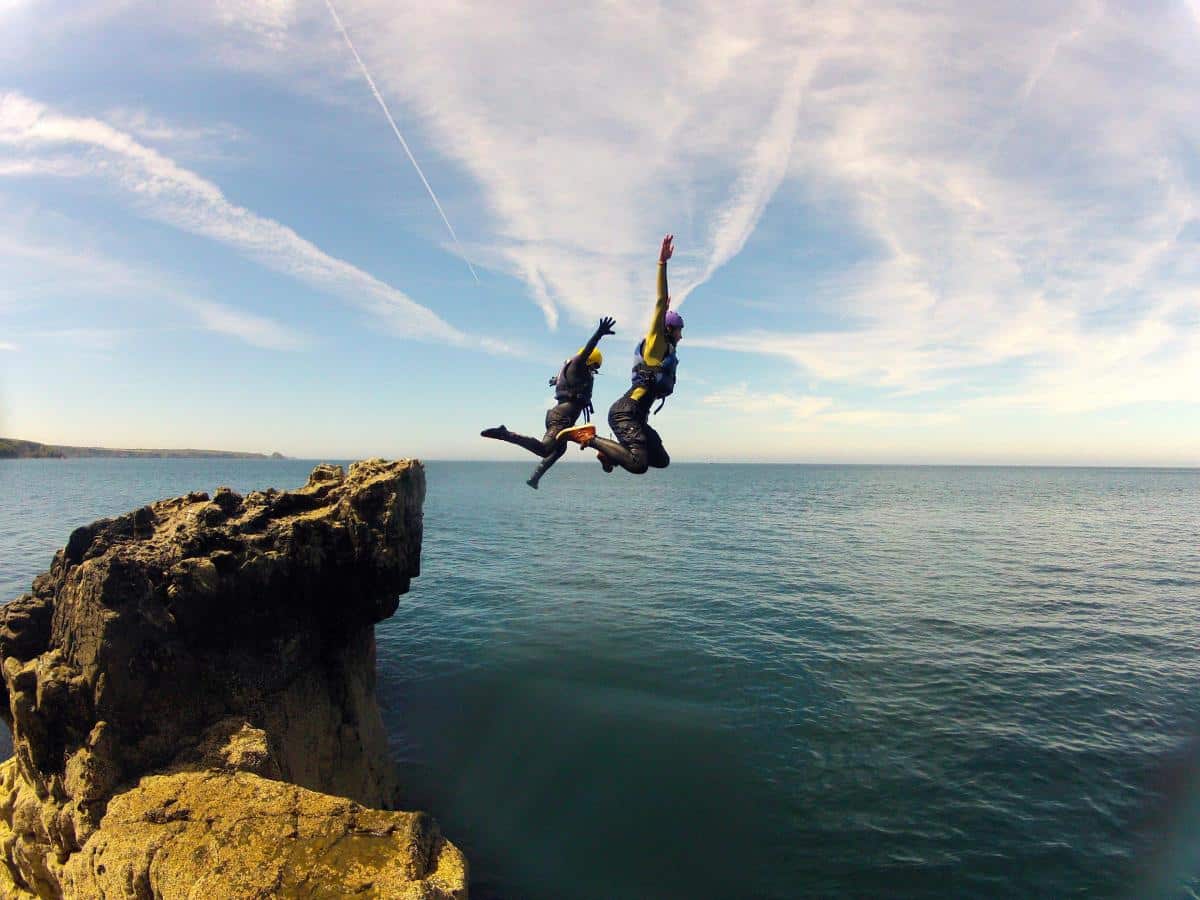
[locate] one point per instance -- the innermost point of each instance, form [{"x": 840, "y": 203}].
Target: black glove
[{"x": 606, "y": 326}]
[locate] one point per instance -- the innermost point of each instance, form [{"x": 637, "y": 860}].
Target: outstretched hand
[
  {"x": 667, "y": 248},
  {"x": 606, "y": 325}
]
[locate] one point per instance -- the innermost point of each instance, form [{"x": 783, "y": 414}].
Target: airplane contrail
[{"x": 403, "y": 143}]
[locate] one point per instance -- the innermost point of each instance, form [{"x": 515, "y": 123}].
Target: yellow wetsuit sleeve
[{"x": 654, "y": 349}]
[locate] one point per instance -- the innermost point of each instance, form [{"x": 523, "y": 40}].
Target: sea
[{"x": 771, "y": 681}]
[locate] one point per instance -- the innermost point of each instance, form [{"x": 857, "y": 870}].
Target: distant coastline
[{"x": 12, "y": 448}]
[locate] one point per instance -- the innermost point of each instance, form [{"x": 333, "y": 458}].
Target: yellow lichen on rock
[
  {"x": 191, "y": 694},
  {"x": 11, "y": 878},
  {"x": 236, "y": 835}
]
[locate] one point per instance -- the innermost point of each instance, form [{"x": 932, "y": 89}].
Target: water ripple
[{"x": 773, "y": 681}]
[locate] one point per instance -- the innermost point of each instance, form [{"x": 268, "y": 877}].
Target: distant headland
[{"x": 12, "y": 448}]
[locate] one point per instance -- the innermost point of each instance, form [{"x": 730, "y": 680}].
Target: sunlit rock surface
[{"x": 191, "y": 690}]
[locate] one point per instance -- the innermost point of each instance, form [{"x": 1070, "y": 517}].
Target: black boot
[
  {"x": 615, "y": 453},
  {"x": 500, "y": 433},
  {"x": 544, "y": 466}
]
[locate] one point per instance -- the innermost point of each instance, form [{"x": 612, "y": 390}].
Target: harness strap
[{"x": 646, "y": 375}]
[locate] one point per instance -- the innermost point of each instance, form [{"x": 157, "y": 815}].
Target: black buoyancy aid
[
  {"x": 574, "y": 390},
  {"x": 659, "y": 381}
]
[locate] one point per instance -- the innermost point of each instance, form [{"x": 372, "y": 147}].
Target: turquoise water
[{"x": 772, "y": 681}]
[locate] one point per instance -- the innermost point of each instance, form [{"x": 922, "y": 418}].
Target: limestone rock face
[
  {"x": 223, "y": 646},
  {"x": 238, "y": 835}
]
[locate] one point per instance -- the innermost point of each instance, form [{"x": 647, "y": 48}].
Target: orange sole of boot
[{"x": 580, "y": 434}]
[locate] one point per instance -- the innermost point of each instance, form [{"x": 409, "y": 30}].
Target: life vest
[
  {"x": 578, "y": 390},
  {"x": 659, "y": 381}
]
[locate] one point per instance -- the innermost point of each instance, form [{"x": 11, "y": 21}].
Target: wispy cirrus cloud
[
  {"x": 761, "y": 176},
  {"x": 779, "y": 411},
  {"x": 588, "y": 132},
  {"x": 162, "y": 189},
  {"x": 35, "y": 267},
  {"x": 67, "y": 168},
  {"x": 774, "y": 403},
  {"x": 197, "y": 140},
  {"x": 1154, "y": 360},
  {"x": 88, "y": 339},
  {"x": 1015, "y": 201},
  {"x": 1009, "y": 194},
  {"x": 1025, "y": 206},
  {"x": 259, "y": 331},
  {"x": 266, "y": 18}
]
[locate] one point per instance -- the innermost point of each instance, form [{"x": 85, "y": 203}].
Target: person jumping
[
  {"x": 638, "y": 446},
  {"x": 573, "y": 391}
]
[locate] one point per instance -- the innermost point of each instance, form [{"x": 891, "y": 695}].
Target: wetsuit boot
[
  {"x": 544, "y": 466},
  {"x": 616, "y": 454},
  {"x": 500, "y": 433}
]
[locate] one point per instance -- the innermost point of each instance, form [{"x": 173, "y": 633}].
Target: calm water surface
[{"x": 772, "y": 681}]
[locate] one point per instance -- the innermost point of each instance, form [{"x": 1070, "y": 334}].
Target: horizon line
[{"x": 256, "y": 456}]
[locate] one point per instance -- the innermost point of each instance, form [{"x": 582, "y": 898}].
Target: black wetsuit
[
  {"x": 574, "y": 396},
  {"x": 638, "y": 446},
  {"x": 642, "y": 447},
  {"x": 550, "y": 448}
]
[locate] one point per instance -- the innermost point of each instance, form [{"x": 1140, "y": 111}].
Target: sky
[{"x": 952, "y": 232}]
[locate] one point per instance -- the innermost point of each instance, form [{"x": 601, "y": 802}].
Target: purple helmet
[{"x": 673, "y": 319}]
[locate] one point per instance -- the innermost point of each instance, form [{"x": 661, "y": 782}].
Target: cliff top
[{"x": 212, "y": 636}]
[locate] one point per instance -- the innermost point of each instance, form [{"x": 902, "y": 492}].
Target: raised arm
[
  {"x": 655, "y": 348},
  {"x": 605, "y": 327}
]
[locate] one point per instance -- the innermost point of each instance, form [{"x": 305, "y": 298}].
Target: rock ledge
[{"x": 191, "y": 692}]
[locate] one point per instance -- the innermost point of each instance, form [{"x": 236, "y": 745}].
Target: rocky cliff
[{"x": 191, "y": 693}]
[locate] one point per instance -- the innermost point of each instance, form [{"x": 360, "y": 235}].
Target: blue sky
[{"x": 955, "y": 232}]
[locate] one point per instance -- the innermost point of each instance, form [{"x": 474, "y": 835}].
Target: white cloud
[
  {"x": 777, "y": 404},
  {"x": 590, "y": 132},
  {"x": 1016, "y": 176},
  {"x": 267, "y": 18},
  {"x": 34, "y": 270},
  {"x": 758, "y": 182},
  {"x": 1013, "y": 180},
  {"x": 8, "y": 345},
  {"x": 93, "y": 340},
  {"x": 259, "y": 331},
  {"x": 778, "y": 411},
  {"x": 1153, "y": 361},
  {"x": 197, "y": 140},
  {"x": 1023, "y": 202},
  {"x": 891, "y": 418},
  {"x": 26, "y": 168},
  {"x": 35, "y": 267},
  {"x": 179, "y": 197},
  {"x": 31, "y": 25}
]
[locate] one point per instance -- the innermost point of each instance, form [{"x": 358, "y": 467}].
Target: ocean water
[{"x": 721, "y": 681}]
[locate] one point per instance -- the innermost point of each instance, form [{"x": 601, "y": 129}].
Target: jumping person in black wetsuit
[
  {"x": 573, "y": 391},
  {"x": 654, "y": 364}
]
